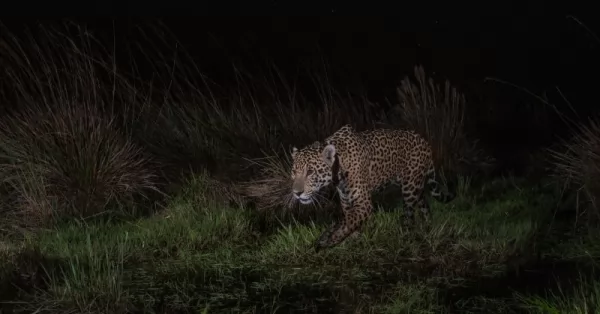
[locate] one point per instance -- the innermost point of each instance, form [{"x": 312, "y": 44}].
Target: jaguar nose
[{"x": 297, "y": 193}]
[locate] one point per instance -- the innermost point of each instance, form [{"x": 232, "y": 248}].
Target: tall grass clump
[
  {"x": 439, "y": 113},
  {"x": 577, "y": 164},
  {"x": 69, "y": 161},
  {"x": 64, "y": 150}
]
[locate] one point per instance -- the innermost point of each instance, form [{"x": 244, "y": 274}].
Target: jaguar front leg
[
  {"x": 324, "y": 238},
  {"x": 352, "y": 221},
  {"x": 327, "y": 233}
]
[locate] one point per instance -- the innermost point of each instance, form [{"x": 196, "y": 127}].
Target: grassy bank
[{"x": 196, "y": 257}]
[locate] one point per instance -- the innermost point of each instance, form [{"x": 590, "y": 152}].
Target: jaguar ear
[
  {"x": 328, "y": 155},
  {"x": 294, "y": 151}
]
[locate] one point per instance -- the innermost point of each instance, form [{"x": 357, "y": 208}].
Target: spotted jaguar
[{"x": 360, "y": 163}]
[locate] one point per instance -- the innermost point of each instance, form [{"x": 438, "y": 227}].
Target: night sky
[{"x": 534, "y": 43}]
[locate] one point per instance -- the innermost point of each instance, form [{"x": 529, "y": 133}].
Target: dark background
[
  {"x": 530, "y": 43},
  {"x": 534, "y": 44}
]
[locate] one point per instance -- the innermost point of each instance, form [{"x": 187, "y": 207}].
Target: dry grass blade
[
  {"x": 271, "y": 192},
  {"x": 272, "y": 189}
]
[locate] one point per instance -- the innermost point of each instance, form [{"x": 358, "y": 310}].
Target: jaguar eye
[{"x": 309, "y": 172}]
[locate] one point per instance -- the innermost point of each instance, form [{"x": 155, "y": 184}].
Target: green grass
[
  {"x": 583, "y": 297},
  {"x": 196, "y": 256}
]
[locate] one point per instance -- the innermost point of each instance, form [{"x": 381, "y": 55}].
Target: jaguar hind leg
[
  {"x": 423, "y": 207},
  {"x": 413, "y": 195},
  {"x": 409, "y": 201}
]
